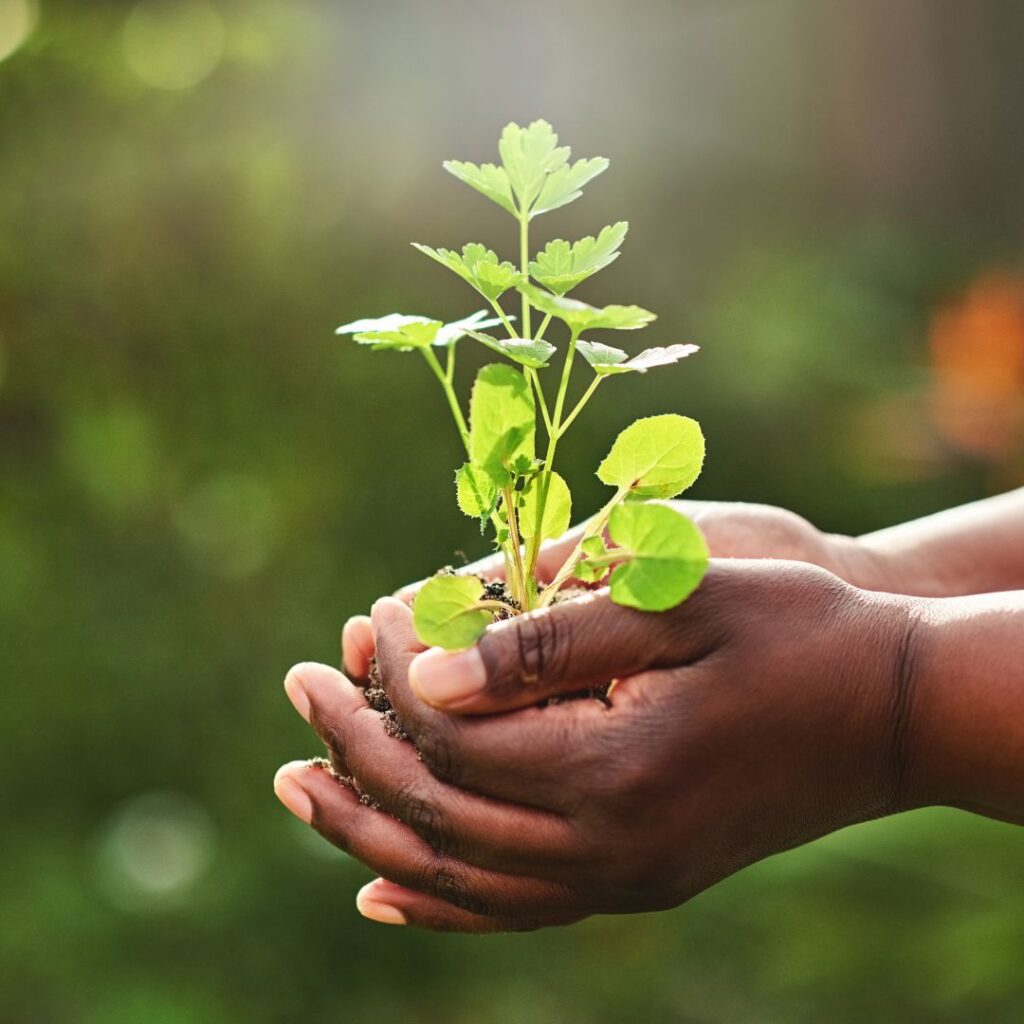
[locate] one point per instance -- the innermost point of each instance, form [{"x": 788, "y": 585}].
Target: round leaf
[
  {"x": 502, "y": 420},
  {"x": 655, "y": 457},
  {"x": 557, "y": 508},
  {"x": 476, "y": 492},
  {"x": 445, "y": 612},
  {"x": 667, "y": 556}
]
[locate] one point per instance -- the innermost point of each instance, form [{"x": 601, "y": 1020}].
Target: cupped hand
[
  {"x": 772, "y": 707},
  {"x": 731, "y": 529}
]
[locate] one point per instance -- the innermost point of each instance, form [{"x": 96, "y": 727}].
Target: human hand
[{"x": 772, "y": 707}]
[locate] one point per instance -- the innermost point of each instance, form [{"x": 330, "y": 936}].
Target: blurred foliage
[{"x": 198, "y": 482}]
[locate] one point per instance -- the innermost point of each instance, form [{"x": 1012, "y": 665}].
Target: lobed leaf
[
  {"x": 557, "y": 508},
  {"x": 530, "y": 155},
  {"x": 445, "y": 612},
  {"x": 665, "y": 554},
  {"x": 451, "y": 333},
  {"x": 587, "y": 571},
  {"x": 655, "y": 457},
  {"x": 487, "y": 179},
  {"x": 561, "y": 266},
  {"x": 502, "y": 421},
  {"x": 607, "y": 360},
  {"x": 394, "y": 331},
  {"x": 580, "y": 317},
  {"x": 566, "y": 184},
  {"x": 478, "y": 266},
  {"x": 526, "y": 351}
]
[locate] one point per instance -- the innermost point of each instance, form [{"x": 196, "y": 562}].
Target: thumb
[{"x": 562, "y": 649}]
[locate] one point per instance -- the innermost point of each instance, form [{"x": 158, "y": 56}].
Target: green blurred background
[{"x": 198, "y": 482}]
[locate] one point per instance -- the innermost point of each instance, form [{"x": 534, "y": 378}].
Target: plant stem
[
  {"x": 449, "y": 370},
  {"x": 449, "y": 393},
  {"x": 496, "y": 606},
  {"x": 524, "y": 264},
  {"x": 587, "y": 395},
  {"x": 594, "y": 527},
  {"x": 541, "y": 400},
  {"x": 553, "y": 435},
  {"x": 505, "y": 322},
  {"x": 518, "y": 583},
  {"x": 543, "y": 327}
]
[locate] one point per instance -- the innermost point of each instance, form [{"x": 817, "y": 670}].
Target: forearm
[
  {"x": 965, "y": 701},
  {"x": 974, "y": 549}
]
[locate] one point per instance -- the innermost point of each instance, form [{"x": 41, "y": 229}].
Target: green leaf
[
  {"x": 557, "y": 508},
  {"x": 580, "y": 317},
  {"x": 529, "y": 155},
  {"x": 395, "y": 331},
  {"x": 528, "y": 352},
  {"x": 485, "y": 178},
  {"x": 451, "y": 333},
  {"x": 666, "y": 556},
  {"x": 592, "y": 547},
  {"x": 608, "y": 360},
  {"x": 566, "y": 184},
  {"x": 478, "y": 266},
  {"x": 502, "y": 420},
  {"x": 445, "y": 612},
  {"x": 655, "y": 457},
  {"x": 476, "y": 492},
  {"x": 561, "y": 267}
]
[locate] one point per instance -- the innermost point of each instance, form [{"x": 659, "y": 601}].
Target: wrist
[
  {"x": 963, "y": 686},
  {"x": 870, "y": 565}
]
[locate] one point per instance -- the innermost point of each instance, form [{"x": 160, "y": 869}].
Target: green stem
[
  {"x": 594, "y": 527},
  {"x": 524, "y": 264},
  {"x": 449, "y": 393},
  {"x": 587, "y": 395},
  {"x": 553, "y": 435},
  {"x": 505, "y": 322},
  {"x": 543, "y": 327},
  {"x": 518, "y": 583},
  {"x": 449, "y": 370},
  {"x": 541, "y": 400}
]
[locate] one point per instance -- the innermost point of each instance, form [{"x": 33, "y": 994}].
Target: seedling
[{"x": 656, "y": 557}]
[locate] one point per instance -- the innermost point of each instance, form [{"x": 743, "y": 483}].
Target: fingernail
[
  {"x": 292, "y": 795},
  {"x": 297, "y": 694},
  {"x": 443, "y": 677},
  {"x": 383, "y": 913}
]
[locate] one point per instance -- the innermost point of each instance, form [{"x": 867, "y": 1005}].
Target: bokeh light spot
[
  {"x": 173, "y": 44},
  {"x": 154, "y": 848},
  {"x": 17, "y": 20}
]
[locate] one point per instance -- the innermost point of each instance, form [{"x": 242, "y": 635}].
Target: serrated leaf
[
  {"x": 502, "y": 420},
  {"x": 476, "y": 492},
  {"x": 394, "y": 331},
  {"x": 527, "y": 351},
  {"x": 580, "y": 317},
  {"x": 667, "y": 556},
  {"x": 607, "y": 360},
  {"x": 655, "y": 457},
  {"x": 487, "y": 179},
  {"x": 451, "y": 333},
  {"x": 566, "y": 184},
  {"x": 445, "y": 612},
  {"x": 478, "y": 266},
  {"x": 530, "y": 155},
  {"x": 557, "y": 508},
  {"x": 592, "y": 547},
  {"x": 561, "y": 266}
]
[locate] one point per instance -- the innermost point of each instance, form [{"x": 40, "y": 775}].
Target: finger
[
  {"x": 562, "y": 649},
  {"x": 478, "y": 830},
  {"x": 394, "y": 851},
  {"x": 509, "y": 757},
  {"x": 388, "y": 903},
  {"x": 357, "y": 647}
]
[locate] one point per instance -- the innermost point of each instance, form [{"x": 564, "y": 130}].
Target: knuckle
[
  {"x": 542, "y": 649},
  {"x": 424, "y": 818},
  {"x": 437, "y": 751},
  {"x": 447, "y": 882}
]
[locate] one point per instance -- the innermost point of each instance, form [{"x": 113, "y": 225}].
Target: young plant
[{"x": 656, "y": 556}]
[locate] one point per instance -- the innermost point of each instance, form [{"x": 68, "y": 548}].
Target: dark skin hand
[{"x": 774, "y": 706}]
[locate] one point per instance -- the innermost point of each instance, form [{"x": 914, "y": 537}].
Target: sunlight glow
[
  {"x": 173, "y": 44},
  {"x": 18, "y": 18}
]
